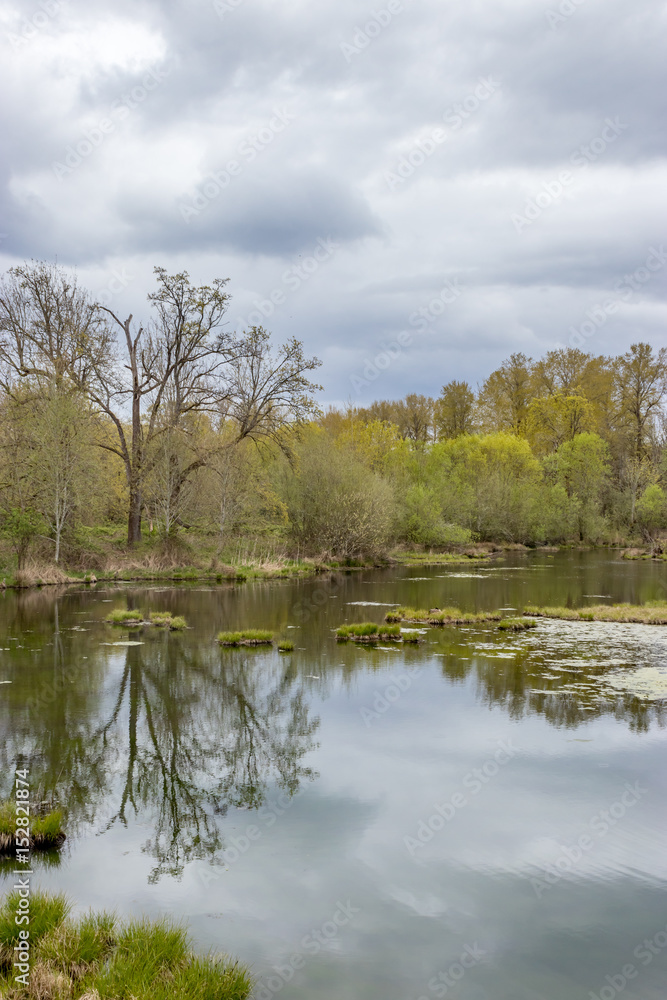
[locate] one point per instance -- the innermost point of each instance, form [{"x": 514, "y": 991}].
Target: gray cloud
[{"x": 413, "y": 137}]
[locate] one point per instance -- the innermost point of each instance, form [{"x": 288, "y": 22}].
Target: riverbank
[{"x": 106, "y": 558}]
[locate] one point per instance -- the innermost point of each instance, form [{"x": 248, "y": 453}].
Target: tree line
[{"x": 183, "y": 429}]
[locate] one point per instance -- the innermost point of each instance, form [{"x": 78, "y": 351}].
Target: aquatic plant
[
  {"x": 368, "y": 632},
  {"x": 249, "y": 637},
  {"x": 516, "y": 624},
  {"x": 651, "y": 613},
  {"x": 285, "y": 646},
  {"x": 441, "y": 616},
  {"x": 164, "y": 619},
  {"x": 46, "y": 831},
  {"x": 119, "y": 617}
]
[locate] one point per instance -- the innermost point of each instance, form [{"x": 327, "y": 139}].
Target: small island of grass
[
  {"x": 97, "y": 956},
  {"x": 516, "y": 624},
  {"x": 651, "y": 613},
  {"x": 249, "y": 637},
  {"x": 441, "y": 616},
  {"x": 370, "y": 632},
  {"x": 285, "y": 646},
  {"x": 46, "y": 831},
  {"x": 135, "y": 619}
]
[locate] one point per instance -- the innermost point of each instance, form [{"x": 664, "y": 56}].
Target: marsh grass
[
  {"x": 46, "y": 832},
  {"x": 441, "y": 616},
  {"x": 119, "y": 617},
  {"x": 368, "y": 632},
  {"x": 285, "y": 646},
  {"x": 97, "y": 958},
  {"x": 249, "y": 637},
  {"x": 516, "y": 624},
  {"x": 162, "y": 619},
  {"x": 651, "y": 613}
]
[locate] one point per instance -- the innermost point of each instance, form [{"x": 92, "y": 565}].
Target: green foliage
[
  {"x": 440, "y": 616},
  {"x": 653, "y": 613},
  {"x": 368, "y": 631},
  {"x": 651, "y": 511},
  {"x": 334, "y": 503},
  {"x": 124, "y": 617},
  {"x": 285, "y": 646}
]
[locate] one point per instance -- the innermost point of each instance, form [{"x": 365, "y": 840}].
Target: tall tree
[
  {"x": 640, "y": 384},
  {"x": 454, "y": 410},
  {"x": 506, "y": 394}
]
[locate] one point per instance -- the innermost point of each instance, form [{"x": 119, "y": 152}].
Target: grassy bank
[
  {"x": 100, "y": 958},
  {"x": 652, "y": 613}
]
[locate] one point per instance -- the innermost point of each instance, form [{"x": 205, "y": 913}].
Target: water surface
[{"x": 479, "y": 816}]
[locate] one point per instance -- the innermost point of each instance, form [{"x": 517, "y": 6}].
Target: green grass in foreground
[
  {"x": 441, "y": 616},
  {"x": 100, "y": 959},
  {"x": 46, "y": 831},
  {"x": 651, "y": 613},
  {"x": 368, "y": 632},
  {"x": 249, "y": 637},
  {"x": 516, "y": 624}
]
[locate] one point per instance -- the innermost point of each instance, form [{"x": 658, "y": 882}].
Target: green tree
[{"x": 454, "y": 410}]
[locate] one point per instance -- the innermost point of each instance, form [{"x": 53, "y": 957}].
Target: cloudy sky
[{"x": 414, "y": 188}]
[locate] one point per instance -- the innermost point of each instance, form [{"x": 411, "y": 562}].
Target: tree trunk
[{"x": 134, "y": 518}]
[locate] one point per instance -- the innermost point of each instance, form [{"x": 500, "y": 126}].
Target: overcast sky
[{"x": 414, "y": 188}]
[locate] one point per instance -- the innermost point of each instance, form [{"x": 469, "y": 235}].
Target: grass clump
[
  {"x": 285, "y": 646},
  {"x": 125, "y": 618},
  {"x": 652, "y": 613},
  {"x": 97, "y": 958},
  {"x": 46, "y": 831},
  {"x": 165, "y": 619},
  {"x": 368, "y": 632},
  {"x": 249, "y": 637},
  {"x": 441, "y": 616},
  {"x": 516, "y": 624}
]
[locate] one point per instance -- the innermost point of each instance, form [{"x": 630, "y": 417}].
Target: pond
[{"x": 480, "y": 815}]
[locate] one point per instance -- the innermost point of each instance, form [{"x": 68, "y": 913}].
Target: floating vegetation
[
  {"x": 249, "y": 637},
  {"x": 441, "y": 616},
  {"x": 516, "y": 624},
  {"x": 285, "y": 646},
  {"x": 96, "y": 956},
  {"x": 134, "y": 619},
  {"x": 370, "y": 632},
  {"x": 651, "y": 613},
  {"x": 46, "y": 831}
]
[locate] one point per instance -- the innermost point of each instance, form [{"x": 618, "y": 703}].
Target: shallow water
[{"x": 479, "y": 816}]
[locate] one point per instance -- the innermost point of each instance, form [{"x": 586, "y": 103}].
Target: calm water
[{"x": 480, "y": 816}]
